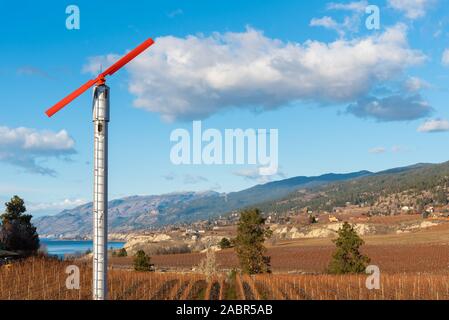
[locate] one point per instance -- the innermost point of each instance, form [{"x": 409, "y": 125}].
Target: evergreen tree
[
  {"x": 224, "y": 243},
  {"x": 122, "y": 253},
  {"x": 249, "y": 243},
  {"x": 142, "y": 262},
  {"x": 17, "y": 233},
  {"x": 347, "y": 258}
]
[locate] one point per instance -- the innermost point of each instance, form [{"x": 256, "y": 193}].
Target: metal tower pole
[{"x": 100, "y": 203}]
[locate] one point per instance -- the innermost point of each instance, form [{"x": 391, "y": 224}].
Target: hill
[
  {"x": 145, "y": 212},
  {"x": 385, "y": 192}
]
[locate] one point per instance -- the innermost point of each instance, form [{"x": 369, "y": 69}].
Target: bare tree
[{"x": 208, "y": 266}]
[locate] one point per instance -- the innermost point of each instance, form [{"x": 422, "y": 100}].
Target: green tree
[
  {"x": 142, "y": 261},
  {"x": 347, "y": 258},
  {"x": 122, "y": 253},
  {"x": 17, "y": 233},
  {"x": 225, "y": 243},
  {"x": 249, "y": 243}
]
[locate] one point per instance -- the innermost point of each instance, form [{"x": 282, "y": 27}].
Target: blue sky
[{"x": 344, "y": 98}]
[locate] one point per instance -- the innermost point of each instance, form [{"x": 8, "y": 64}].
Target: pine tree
[
  {"x": 249, "y": 243},
  {"x": 347, "y": 258},
  {"x": 17, "y": 233},
  {"x": 142, "y": 262},
  {"x": 225, "y": 243},
  {"x": 122, "y": 253}
]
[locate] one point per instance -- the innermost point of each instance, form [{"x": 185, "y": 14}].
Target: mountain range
[{"x": 144, "y": 212}]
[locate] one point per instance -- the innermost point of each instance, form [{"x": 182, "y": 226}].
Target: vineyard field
[
  {"x": 41, "y": 278},
  {"x": 314, "y": 259}
]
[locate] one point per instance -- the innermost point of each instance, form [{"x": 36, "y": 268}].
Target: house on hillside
[{"x": 406, "y": 209}]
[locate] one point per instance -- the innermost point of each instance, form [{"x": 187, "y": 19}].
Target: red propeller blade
[
  {"x": 100, "y": 79},
  {"x": 128, "y": 57},
  {"x": 61, "y": 104}
]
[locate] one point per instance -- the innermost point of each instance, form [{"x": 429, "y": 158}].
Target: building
[{"x": 430, "y": 210}]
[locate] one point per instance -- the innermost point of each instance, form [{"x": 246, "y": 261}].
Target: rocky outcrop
[
  {"x": 161, "y": 243},
  {"x": 330, "y": 230},
  {"x": 318, "y": 231}
]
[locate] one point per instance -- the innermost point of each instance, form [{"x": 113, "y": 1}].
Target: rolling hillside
[
  {"x": 143, "y": 212},
  {"x": 384, "y": 192}
]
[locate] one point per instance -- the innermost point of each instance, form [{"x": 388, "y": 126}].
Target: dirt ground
[{"x": 425, "y": 251}]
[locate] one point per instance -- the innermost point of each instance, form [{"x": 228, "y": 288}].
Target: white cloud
[
  {"x": 357, "y": 6},
  {"x": 445, "y": 57},
  {"x": 175, "y": 13},
  {"x": 326, "y": 22},
  {"x": 24, "y": 147},
  {"x": 391, "y": 108},
  {"x": 32, "y": 71},
  {"x": 393, "y": 149},
  {"x": 414, "y": 84},
  {"x": 196, "y": 76},
  {"x": 58, "y": 205},
  {"x": 193, "y": 179},
  {"x": 350, "y": 24},
  {"x": 413, "y": 9},
  {"x": 435, "y": 125},
  {"x": 377, "y": 150},
  {"x": 98, "y": 64},
  {"x": 253, "y": 174},
  {"x": 186, "y": 178}
]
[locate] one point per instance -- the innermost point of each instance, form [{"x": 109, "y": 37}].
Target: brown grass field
[
  {"x": 39, "y": 278},
  {"x": 413, "y": 266},
  {"x": 426, "y": 251},
  {"x": 431, "y": 258}
]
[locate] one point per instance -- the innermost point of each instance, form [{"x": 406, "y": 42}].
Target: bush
[
  {"x": 347, "y": 258},
  {"x": 166, "y": 247},
  {"x": 122, "y": 253},
  {"x": 225, "y": 243},
  {"x": 142, "y": 262}
]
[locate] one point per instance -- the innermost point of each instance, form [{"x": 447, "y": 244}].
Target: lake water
[{"x": 62, "y": 247}]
